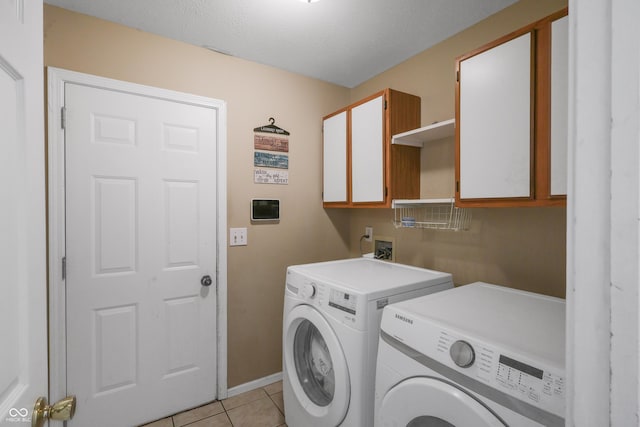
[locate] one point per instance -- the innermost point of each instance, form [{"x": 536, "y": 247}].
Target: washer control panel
[
  {"x": 343, "y": 301},
  {"x": 348, "y": 307},
  {"x": 308, "y": 290},
  {"x": 508, "y": 373}
]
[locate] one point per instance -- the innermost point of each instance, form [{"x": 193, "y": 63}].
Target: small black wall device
[{"x": 265, "y": 210}]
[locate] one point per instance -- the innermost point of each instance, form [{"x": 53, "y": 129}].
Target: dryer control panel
[
  {"x": 529, "y": 381},
  {"x": 515, "y": 376}
]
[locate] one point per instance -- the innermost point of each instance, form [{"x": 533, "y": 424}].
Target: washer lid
[
  {"x": 372, "y": 277},
  {"x": 421, "y": 401}
]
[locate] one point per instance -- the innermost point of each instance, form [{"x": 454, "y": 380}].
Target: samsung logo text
[{"x": 404, "y": 319}]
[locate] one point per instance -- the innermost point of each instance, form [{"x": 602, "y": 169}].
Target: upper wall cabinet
[
  {"x": 511, "y": 110},
  {"x": 361, "y": 168}
]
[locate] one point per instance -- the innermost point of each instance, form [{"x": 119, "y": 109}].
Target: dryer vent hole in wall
[{"x": 383, "y": 249}]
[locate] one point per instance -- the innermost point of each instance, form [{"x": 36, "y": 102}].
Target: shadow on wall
[
  {"x": 523, "y": 248},
  {"x": 340, "y": 218}
]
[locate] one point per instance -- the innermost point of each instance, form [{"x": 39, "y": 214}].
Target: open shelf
[
  {"x": 433, "y": 132},
  {"x": 439, "y": 214}
]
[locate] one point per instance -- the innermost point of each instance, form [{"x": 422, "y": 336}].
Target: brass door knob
[{"x": 62, "y": 410}]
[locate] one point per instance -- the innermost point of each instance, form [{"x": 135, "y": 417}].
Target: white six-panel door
[
  {"x": 140, "y": 236},
  {"x": 23, "y": 310}
]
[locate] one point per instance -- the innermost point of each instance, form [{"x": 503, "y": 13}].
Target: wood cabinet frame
[
  {"x": 540, "y": 146},
  {"x": 401, "y": 164}
]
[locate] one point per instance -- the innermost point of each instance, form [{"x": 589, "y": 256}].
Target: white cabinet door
[
  {"x": 334, "y": 158},
  {"x": 495, "y": 122},
  {"x": 367, "y": 151},
  {"x": 559, "y": 104}
]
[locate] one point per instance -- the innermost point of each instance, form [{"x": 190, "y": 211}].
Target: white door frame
[
  {"x": 56, "y": 192},
  {"x": 603, "y": 207}
]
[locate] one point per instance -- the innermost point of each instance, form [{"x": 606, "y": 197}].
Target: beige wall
[
  {"x": 253, "y": 93},
  {"x": 516, "y": 247}
]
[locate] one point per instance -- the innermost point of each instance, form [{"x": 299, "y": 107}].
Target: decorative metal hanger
[{"x": 271, "y": 128}]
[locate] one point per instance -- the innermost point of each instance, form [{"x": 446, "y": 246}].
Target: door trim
[{"x": 56, "y": 80}]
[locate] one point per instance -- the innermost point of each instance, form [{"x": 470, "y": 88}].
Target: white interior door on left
[
  {"x": 23, "y": 310},
  {"x": 141, "y": 253}
]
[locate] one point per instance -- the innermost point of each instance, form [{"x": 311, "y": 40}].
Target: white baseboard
[{"x": 252, "y": 385}]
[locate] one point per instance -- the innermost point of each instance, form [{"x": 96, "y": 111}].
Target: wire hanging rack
[{"x": 438, "y": 214}]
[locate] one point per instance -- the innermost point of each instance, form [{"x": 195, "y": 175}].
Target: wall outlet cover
[
  {"x": 238, "y": 236},
  {"x": 368, "y": 231}
]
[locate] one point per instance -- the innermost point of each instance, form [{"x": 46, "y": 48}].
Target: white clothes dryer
[
  {"x": 332, "y": 313},
  {"x": 474, "y": 356}
]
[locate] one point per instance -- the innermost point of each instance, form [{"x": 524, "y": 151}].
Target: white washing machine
[
  {"x": 332, "y": 314},
  {"x": 474, "y": 356}
]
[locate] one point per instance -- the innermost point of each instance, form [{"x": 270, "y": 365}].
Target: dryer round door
[
  {"x": 316, "y": 366},
  {"x": 429, "y": 402}
]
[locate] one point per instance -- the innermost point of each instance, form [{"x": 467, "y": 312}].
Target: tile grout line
[
  {"x": 274, "y": 403},
  {"x": 226, "y": 412}
]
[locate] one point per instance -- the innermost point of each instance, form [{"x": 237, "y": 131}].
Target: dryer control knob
[
  {"x": 308, "y": 290},
  {"x": 462, "y": 354}
]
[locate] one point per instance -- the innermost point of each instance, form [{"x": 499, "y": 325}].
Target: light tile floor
[{"x": 262, "y": 407}]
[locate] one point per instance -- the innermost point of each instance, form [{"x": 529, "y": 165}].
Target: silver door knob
[{"x": 206, "y": 280}]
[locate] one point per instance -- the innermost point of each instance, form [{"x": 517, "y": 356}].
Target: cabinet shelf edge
[{"x": 433, "y": 132}]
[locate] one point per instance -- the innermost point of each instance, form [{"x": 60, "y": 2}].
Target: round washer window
[{"x": 313, "y": 364}]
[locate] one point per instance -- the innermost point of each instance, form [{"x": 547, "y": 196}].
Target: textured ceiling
[{"x": 340, "y": 41}]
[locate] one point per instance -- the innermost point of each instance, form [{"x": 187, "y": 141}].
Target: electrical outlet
[
  {"x": 238, "y": 236},
  {"x": 368, "y": 231}
]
